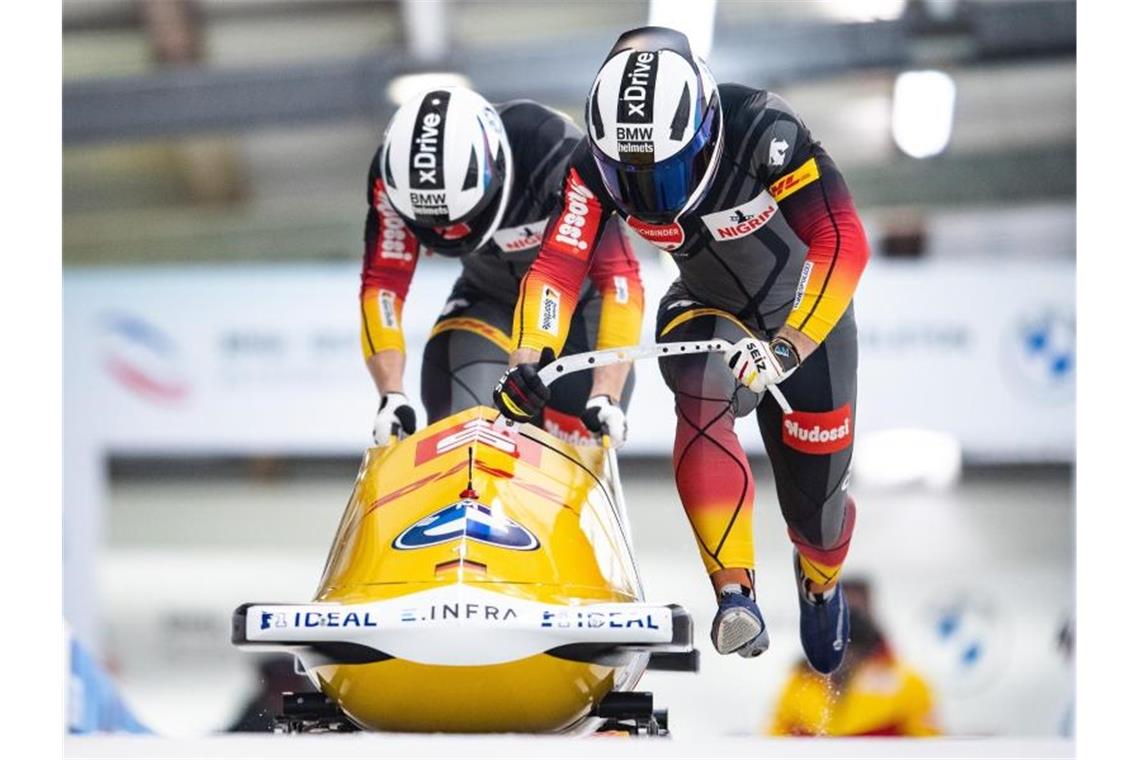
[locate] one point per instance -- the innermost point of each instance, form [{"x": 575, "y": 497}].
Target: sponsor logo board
[{"x": 794, "y": 181}]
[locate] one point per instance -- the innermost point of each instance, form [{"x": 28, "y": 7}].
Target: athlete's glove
[
  {"x": 520, "y": 394},
  {"x": 602, "y": 415},
  {"x": 758, "y": 364},
  {"x": 394, "y": 417}
]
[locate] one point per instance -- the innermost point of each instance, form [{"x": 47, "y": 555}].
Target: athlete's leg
[
  {"x": 466, "y": 354},
  {"x": 713, "y": 476},
  {"x": 712, "y": 472},
  {"x": 810, "y": 450}
]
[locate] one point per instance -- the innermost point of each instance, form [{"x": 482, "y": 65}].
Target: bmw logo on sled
[
  {"x": 482, "y": 579},
  {"x": 467, "y": 519}
]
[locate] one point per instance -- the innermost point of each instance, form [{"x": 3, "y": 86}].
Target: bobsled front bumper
[{"x": 462, "y": 625}]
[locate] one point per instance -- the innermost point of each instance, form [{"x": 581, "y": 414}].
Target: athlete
[
  {"x": 729, "y": 181},
  {"x": 461, "y": 178}
]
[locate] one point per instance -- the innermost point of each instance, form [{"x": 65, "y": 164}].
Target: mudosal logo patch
[
  {"x": 743, "y": 220},
  {"x": 819, "y": 432},
  {"x": 581, "y": 213}
]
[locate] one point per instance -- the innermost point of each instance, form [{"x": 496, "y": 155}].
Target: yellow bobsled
[{"x": 481, "y": 580}]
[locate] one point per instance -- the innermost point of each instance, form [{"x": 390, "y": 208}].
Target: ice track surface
[{"x": 404, "y": 745}]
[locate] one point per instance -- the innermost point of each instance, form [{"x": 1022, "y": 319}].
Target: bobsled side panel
[{"x": 536, "y": 694}]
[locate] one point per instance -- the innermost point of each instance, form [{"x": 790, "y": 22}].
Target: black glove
[{"x": 520, "y": 393}]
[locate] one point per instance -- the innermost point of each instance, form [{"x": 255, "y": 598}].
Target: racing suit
[
  {"x": 469, "y": 345},
  {"x": 776, "y": 240}
]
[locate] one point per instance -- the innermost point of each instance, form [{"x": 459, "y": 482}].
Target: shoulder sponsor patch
[
  {"x": 793, "y": 181},
  {"x": 577, "y": 227},
  {"x": 819, "y": 432},
  {"x": 521, "y": 238},
  {"x": 743, "y": 220}
]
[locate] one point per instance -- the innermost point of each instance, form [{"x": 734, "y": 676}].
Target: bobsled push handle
[{"x": 577, "y": 362}]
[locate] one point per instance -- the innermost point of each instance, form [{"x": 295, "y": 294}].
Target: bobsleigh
[{"x": 482, "y": 579}]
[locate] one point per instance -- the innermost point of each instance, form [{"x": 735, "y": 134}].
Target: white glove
[
  {"x": 395, "y": 417},
  {"x": 758, "y": 364},
  {"x": 602, "y": 415}
]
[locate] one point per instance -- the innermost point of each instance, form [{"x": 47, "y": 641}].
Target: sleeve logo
[
  {"x": 548, "y": 318},
  {"x": 576, "y": 228},
  {"x": 388, "y": 316},
  {"x": 805, "y": 275},
  {"x": 794, "y": 181},
  {"x": 621, "y": 289},
  {"x": 396, "y": 241}
]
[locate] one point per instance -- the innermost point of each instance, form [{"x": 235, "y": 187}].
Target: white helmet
[
  {"x": 655, "y": 124},
  {"x": 446, "y": 165}
]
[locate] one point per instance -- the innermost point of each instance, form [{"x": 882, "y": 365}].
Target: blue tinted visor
[{"x": 657, "y": 192}]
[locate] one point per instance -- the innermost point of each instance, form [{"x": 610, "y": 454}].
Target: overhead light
[
  {"x": 864, "y": 10},
  {"x": 923, "y": 115},
  {"x": 695, "y": 18},
  {"x": 403, "y": 88}
]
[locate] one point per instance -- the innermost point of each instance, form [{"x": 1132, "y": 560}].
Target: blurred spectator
[
  {"x": 276, "y": 675},
  {"x": 94, "y": 704},
  {"x": 873, "y": 693}
]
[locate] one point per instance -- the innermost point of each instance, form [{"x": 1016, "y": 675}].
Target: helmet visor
[{"x": 657, "y": 192}]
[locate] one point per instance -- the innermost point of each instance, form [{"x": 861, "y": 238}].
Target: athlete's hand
[
  {"x": 758, "y": 364},
  {"x": 602, "y": 415},
  {"x": 395, "y": 417},
  {"x": 520, "y": 393}
]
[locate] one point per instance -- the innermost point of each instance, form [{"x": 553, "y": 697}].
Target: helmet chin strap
[{"x": 508, "y": 175}]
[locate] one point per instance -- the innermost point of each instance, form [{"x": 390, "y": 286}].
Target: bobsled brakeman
[{"x": 482, "y": 579}]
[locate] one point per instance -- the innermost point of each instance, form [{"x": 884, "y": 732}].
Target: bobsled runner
[{"x": 482, "y": 579}]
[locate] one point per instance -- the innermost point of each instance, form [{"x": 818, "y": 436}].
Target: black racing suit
[{"x": 775, "y": 241}]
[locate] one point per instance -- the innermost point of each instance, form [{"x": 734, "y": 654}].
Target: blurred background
[{"x": 215, "y": 155}]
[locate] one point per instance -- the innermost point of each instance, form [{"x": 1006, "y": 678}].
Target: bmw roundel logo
[{"x": 467, "y": 519}]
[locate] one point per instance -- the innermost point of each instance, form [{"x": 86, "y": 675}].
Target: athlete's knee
[{"x": 823, "y": 539}]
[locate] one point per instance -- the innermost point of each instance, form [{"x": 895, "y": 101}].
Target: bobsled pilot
[
  {"x": 758, "y": 218},
  {"x": 460, "y": 178}
]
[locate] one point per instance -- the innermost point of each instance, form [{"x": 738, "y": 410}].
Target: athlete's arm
[
  {"x": 616, "y": 274},
  {"x": 823, "y": 215},
  {"x": 548, "y": 293},
  {"x": 390, "y": 254},
  {"x": 814, "y": 199}
]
